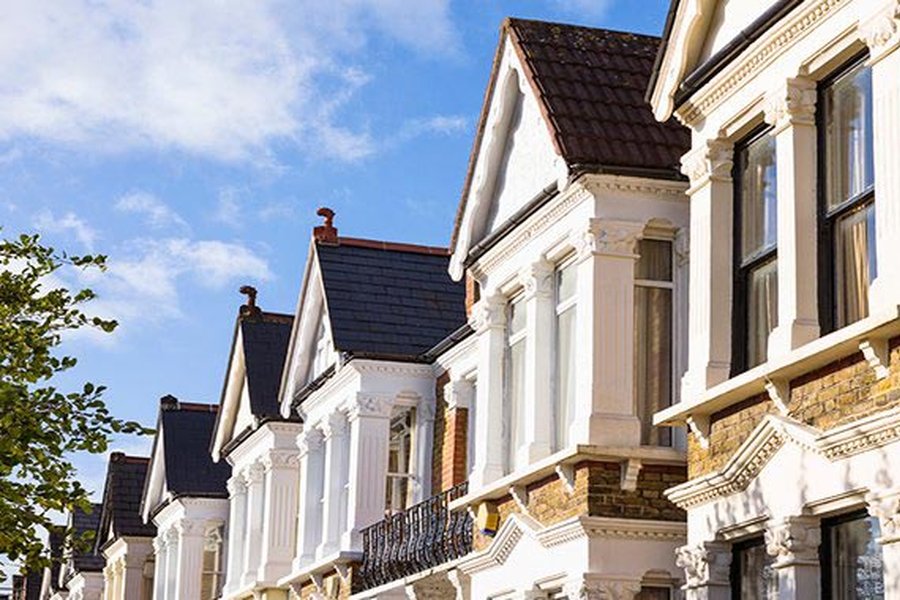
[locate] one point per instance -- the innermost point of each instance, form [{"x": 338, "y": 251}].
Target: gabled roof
[
  {"x": 81, "y": 523},
  {"x": 391, "y": 301},
  {"x": 120, "y": 515},
  {"x": 181, "y": 460},
  {"x": 590, "y": 85},
  {"x": 265, "y": 337}
]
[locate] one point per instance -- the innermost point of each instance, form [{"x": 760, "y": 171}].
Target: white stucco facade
[{"x": 128, "y": 574}]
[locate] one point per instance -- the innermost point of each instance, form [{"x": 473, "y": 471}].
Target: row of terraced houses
[{"x": 660, "y": 358}]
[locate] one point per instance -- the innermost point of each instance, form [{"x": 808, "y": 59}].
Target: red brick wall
[{"x": 449, "y": 452}]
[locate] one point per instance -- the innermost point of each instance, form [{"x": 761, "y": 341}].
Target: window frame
[
  {"x": 673, "y": 344},
  {"x": 559, "y": 308},
  {"x": 742, "y": 268},
  {"x": 827, "y": 218},
  {"x": 410, "y": 413},
  {"x": 737, "y": 548},
  {"x": 825, "y": 550},
  {"x": 510, "y": 453}
]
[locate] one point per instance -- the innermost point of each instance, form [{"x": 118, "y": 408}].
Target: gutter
[{"x": 448, "y": 342}]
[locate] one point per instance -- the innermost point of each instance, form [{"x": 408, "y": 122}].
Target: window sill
[
  {"x": 800, "y": 361},
  {"x": 555, "y": 463},
  {"x": 324, "y": 565}
]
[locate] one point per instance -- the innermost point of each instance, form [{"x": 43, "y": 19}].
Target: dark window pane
[
  {"x": 753, "y": 571},
  {"x": 759, "y": 214},
  {"x": 762, "y": 310},
  {"x": 655, "y": 260},
  {"x": 848, "y": 136},
  {"x": 653, "y": 360},
  {"x": 855, "y": 569},
  {"x": 654, "y": 593},
  {"x": 854, "y": 263}
]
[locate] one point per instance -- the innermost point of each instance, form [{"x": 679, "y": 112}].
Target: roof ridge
[
  {"x": 510, "y": 20},
  {"x": 121, "y": 457},
  {"x": 392, "y": 246}
]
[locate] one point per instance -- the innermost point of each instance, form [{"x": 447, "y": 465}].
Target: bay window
[
  {"x": 400, "y": 461},
  {"x": 752, "y": 575},
  {"x": 847, "y": 181},
  {"x": 564, "y": 389},
  {"x": 653, "y": 347},
  {"x": 514, "y": 384},
  {"x": 756, "y": 260},
  {"x": 851, "y": 558}
]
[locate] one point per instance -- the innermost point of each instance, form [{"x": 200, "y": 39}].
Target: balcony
[{"x": 421, "y": 537}]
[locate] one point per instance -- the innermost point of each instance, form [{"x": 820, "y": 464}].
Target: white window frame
[
  {"x": 561, "y": 307},
  {"x": 410, "y": 413},
  {"x": 510, "y": 453}
]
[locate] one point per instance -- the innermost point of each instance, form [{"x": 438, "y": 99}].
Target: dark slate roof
[
  {"x": 82, "y": 523},
  {"x": 56, "y": 537},
  {"x": 389, "y": 300},
  {"x": 121, "y": 512},
  {"x": 186, "y": 430},
  {"x": 266, "y": 337},
  {"x": 590, "y": 84}
]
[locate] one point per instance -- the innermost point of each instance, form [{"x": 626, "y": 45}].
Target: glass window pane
[
  {"x": 565, "y": 375},
  {"x": 754, "y": 572},
  {"x": 762, "y": 310},
  {"x": 565, "y": 283},
  {"x": 854, "y": 263},
  {"x": 515, "y": 421},
  {"x": 848, "y": 136},
  {"x": 653, "y": 360},
  {"x": 654, "y": 593},
  {"x": 516, "y": 317},
  {"x": 654, "y": 261},
  {"x": 758, "y": 198},
  {"x": 855, "y": 569}
]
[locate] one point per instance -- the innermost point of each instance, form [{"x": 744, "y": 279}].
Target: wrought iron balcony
[{"x": 422, "y": 536}]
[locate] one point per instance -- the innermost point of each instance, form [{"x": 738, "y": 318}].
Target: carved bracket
[
  {"x": 711, "y": 160},
  {"x": 794, "y": 540},
  {"x": 343, "y": 571},
  {"x": 877, "y": 354},
  {"x": 566, "y": 474},
  {"x": 794, "y": 102},
  {"x": 631, "y": 468},
  {"x": 699, "y": 426},
  {"x": 779, "y": 392},
  {"x": 705, "y": 564},
  {"x": 886, "y": 508}
]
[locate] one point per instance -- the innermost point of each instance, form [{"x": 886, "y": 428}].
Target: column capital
[
  {"x": 280, "y": 459},
  {"x": 370, "y": 405},
  {"x": 537, "y": 279},
  {"x": 310, "y": 440},
  {"x": 606, "y": 237},
  {"x": 458, "y": 393},
  {"x": 710, "y": 160},
  {"x": 253, "y": 473},
  {"x": 425, "y": 410},
  {"x": 236, "y": 486},
  {"x": 885, "y": 506},
  {"x": 194, "y": 529},
  {"x": 335, "y": 425},
  {"x": 793, "y": 102},
  {"x": 881, "y": 32},
  {"x": 602, "y": 589},
  {"x": 705, "y": 564},
  {"x": 488, "y": 313},
  {"x": 794, "y": 540}
]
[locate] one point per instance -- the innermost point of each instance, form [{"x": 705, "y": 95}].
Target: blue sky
[{"x": 193, "y": 141}]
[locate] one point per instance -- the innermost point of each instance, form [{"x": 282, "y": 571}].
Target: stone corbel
[
  {"x": 519, "y": 493},
  {"x": 886, "y": 508},
  {"x": 343, "y": 571},
  {"x": 566, "y": 474},
  {"x": 705, "y": 564},
  {"x": 877, "y": 354},
  {"x": 310, "y": 440},
  {"x": 792, "y": 103},
  {"x": 318, "y": 581},
  {"x": 881, "y": 32},
  {"x": 458, "y": 393},
  {"x": 794, "y": 540},
  {"x": 631, "y": 469},
  {"x": 779, "y": 391},
  {"x": 410, "y": 591},
  {"x": 537, "y": 279},
  {"x": 711, "y": 160},
  {"x": 699, "y": 426},
  {"x": 488, "y": 313}
]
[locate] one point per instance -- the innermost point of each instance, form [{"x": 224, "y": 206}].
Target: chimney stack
[
  {"x": 327, "y": 232},
  {"x": 249, "y": 309}
]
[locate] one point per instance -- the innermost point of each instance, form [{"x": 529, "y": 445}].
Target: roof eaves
[{"x": 660, "y": 53}]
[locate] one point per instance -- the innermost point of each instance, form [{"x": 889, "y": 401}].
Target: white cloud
[
  {"x": 224, "y": 79},
  {"x": 47, "y": 222},
  {"x": 445, "y": 125},
  {"x": 228, "y": 207},
  {"x": 585, "y": 8},
  {"x": 157, "y": 213}
]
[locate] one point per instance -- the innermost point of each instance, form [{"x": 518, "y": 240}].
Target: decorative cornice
[
  {"x": 488, "y": 313},
  {"x": 280, "y": 459},
  {"x": 370, "y": 405},
  {"x": 881, "y": 32},
  {"x": 734, "y": 77},
  {"x": 605, "y": 237},
  {"x": 705, "y": 564},
  {"x": 712, "y": 160},
  {"x": 769, "y": 436},
  {"x": 792, "y": 103}
]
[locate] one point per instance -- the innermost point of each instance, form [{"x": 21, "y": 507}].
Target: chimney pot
[{"x": 327, "y": 232}]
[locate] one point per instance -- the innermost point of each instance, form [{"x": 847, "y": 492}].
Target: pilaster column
[
  {"x": 601, "y": 588},
  {"x": 794, "y": 542},
  {"x": 171, "y": 582},
  {"x": 253, "y": 478},
  {"x": 489, "y": 322},
  {"x": 790, "y": 109},
  {"x": 424, "y": 444},
  {"x": 191, "y": 539},
  {"x": 369, "y": 417},
  {"x": 237, "y": 510},
  {"x": 882, "y": 34},
  {"x": 312, "y": 473},
  {"x": 538, "y": 283},
  {"x": 708, "y": 166},
  {"x": 132, "y": 576},
  {"x": 336, "y": 473},
  {"x": 885, "y": 506},
  {"x": 706, "y": 570},
  {"x": 605, "y": 335},
  {"x": 159, "y": 567},
  {"x": 281, "y": 480}
]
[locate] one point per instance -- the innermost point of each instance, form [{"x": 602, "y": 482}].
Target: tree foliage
[{"x": 41, "y": 426}]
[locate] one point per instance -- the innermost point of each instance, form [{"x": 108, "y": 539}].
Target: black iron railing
[{"x": 422, "y": 536}]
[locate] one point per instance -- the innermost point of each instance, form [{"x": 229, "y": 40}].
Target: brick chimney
[
  {"x": 249, "y": 309},
  {"x": 327, "y": 232}
]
